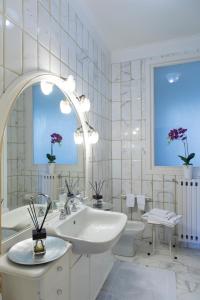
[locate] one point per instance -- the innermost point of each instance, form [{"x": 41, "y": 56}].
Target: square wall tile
[
  {"x": 1, "y": 5},
  {"x": 64, "y": 47},
  {"x": 116, "y": 92},
  {"x": 1, "y": 80},
  {"x": 115, "y": 72},
  {"x": 55, "y": 38},
  {"x": 116, "y": 130},
  {"x": 9, "y": 78},
  {"x": 126, "y": 110},
  {"x": 30, "y": 17},
  {"x": 55, "y": 9},
  {"x": 43, "y": 58},
  {"x": 116, "y": 188},
  {"x": 126, "y": 169},
  {"x": 117, "y": 204},
  {"x": 55, "y": 65},
  {"x": 1, "y": 40},
  {"x": 43, "y": 27},
  {"x": 79, "y": 32},
  {"x": 126, "y": 187},
  {"x": 116, "y": 111},
  {"x": 13, "y": 10},
  {"x": 30, "y": 53},
  {"x": 116, "y": 169},
  {"x": 86, "y": 40},
  {"x": 45, "y": 3},
  {"x": 136, "y": 69},
  {"x": 64, "y": 14},
  {"x": 64, "y": 71},
  {"x": 116, "y": 150},
  {"x": 126, "y": 150},
  {"x": 126, "y": 71},
  {"x": 13, "y": 55},
  {"x": 72, "y": 22}
]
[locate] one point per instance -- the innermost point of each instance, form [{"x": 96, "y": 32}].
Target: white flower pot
[
  {"x": 187, "y": 172},
  {"x": 51, "y": 168}
]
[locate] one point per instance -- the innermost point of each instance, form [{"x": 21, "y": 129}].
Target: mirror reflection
[{"x": 39, "y": 154}]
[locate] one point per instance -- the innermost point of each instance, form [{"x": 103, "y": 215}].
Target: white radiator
[
  {"x": 49, "y": 186},
  {"x": 188, "y": 196}
]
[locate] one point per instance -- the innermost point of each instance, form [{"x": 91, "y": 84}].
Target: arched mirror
[{"x": 40, "y": 154}]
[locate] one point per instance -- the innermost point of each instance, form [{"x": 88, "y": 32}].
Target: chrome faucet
[{"x": 66, "y": 210}]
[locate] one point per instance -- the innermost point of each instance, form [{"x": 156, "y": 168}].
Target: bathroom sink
[
  {"x": 89, "y": 230},
  {"x": 19, "y": 218}
]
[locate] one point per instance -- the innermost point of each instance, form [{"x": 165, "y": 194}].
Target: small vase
[
  {"x": 51, "y": 168},
  {"x": 187, "y": 171},
  {"x": 98, "y": 201}
]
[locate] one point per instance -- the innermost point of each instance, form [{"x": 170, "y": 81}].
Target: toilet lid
[{"x": 136, "y": 226}]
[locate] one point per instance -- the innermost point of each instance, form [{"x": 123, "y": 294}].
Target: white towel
[
  {"x": 141, "y": 202},
  {"x": 162, "y": 213},
  {"x": 130, "y": 200},
  {"x": 169, "y": 223},
  {"x": 159, "y": 212}
]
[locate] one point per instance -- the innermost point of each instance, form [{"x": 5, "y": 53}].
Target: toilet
[{"x": 126, "y": 245}]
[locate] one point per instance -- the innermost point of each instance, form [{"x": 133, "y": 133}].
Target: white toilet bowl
[{"x": 126, "y": 245}]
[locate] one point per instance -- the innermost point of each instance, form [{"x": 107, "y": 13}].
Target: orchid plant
[
  {"x": 180, "y": 134},
  {"x": 55, "y": 139}
]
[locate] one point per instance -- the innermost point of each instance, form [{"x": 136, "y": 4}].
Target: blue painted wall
[
  {"x": 48, "y": 119},
  {"x": 176, "y": 105}
]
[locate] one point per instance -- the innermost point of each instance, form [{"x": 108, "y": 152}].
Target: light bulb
[
  {"x": 71, "y": 84},
  {"x": 65, "y": 107},
  {"x": 84, "y": 103},
  {"x": 78, "y": 137},
  {"x": 93, "y": 137},
  {"x": 46, "y": 87}
]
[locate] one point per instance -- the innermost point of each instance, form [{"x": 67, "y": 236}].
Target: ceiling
[{"x": 132, "y": 23}]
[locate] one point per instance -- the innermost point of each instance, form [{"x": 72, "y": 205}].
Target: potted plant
[
  {"x": 180, "y": 134},
  {"x": 56, "y": 138}
]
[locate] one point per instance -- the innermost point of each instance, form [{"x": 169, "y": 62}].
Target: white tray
[{"x": 22, "y": 252}]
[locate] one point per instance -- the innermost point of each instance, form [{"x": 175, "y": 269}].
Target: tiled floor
[{"x": 186, "y": 267}]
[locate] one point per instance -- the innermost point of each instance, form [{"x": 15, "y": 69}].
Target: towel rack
[{"x": 147, "y": 199}]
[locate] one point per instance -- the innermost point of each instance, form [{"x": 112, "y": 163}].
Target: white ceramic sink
[
  {"x": 19, "y": 218},
  {"x": 89, "y": 230}
]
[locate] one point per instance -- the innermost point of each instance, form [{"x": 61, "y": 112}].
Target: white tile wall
[
  {"x": 51, "y": 35},
  {"x": 30, "y": 17},
  {"x": 30, "y": 53},
  {"x": 13, "y": 10},
  {"x": 129, "y": 150},
  {"x": 1, "y": 40},
  {"x": 13, "y": 54}
]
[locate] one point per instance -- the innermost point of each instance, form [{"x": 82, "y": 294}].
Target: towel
[
  {"x": 130, "y": 200},
  {"x": 162, "y": 221},
  {"x": 162, "y": 213},
  {"x": 141, "y": 202}
]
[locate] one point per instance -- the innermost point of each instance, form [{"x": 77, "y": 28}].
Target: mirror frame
[{"x": 7, "y": 101}]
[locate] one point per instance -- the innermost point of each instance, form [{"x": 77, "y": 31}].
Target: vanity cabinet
[
  {"x": 100, "y": 266},
  {"x": 44, "y": 282},
  {"x": 88, "y": 274},
  {"x": 79, "y": 279}
]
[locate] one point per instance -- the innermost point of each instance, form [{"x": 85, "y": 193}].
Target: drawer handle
[
  {"x": 59, "y": 292},
  {"x": 59, "y": 268}
]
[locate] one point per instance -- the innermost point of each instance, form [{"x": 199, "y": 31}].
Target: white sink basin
[
  {"x": 89, "y": 230},
  {"x": 19, "y": 218}
]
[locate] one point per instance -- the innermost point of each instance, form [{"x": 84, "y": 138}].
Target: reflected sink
[
  {"x": 19, "y": 218},
  {"x": 89, "y": 230}
]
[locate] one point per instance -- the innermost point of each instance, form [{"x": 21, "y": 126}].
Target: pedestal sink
[{"x": 89, "y": 230}]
